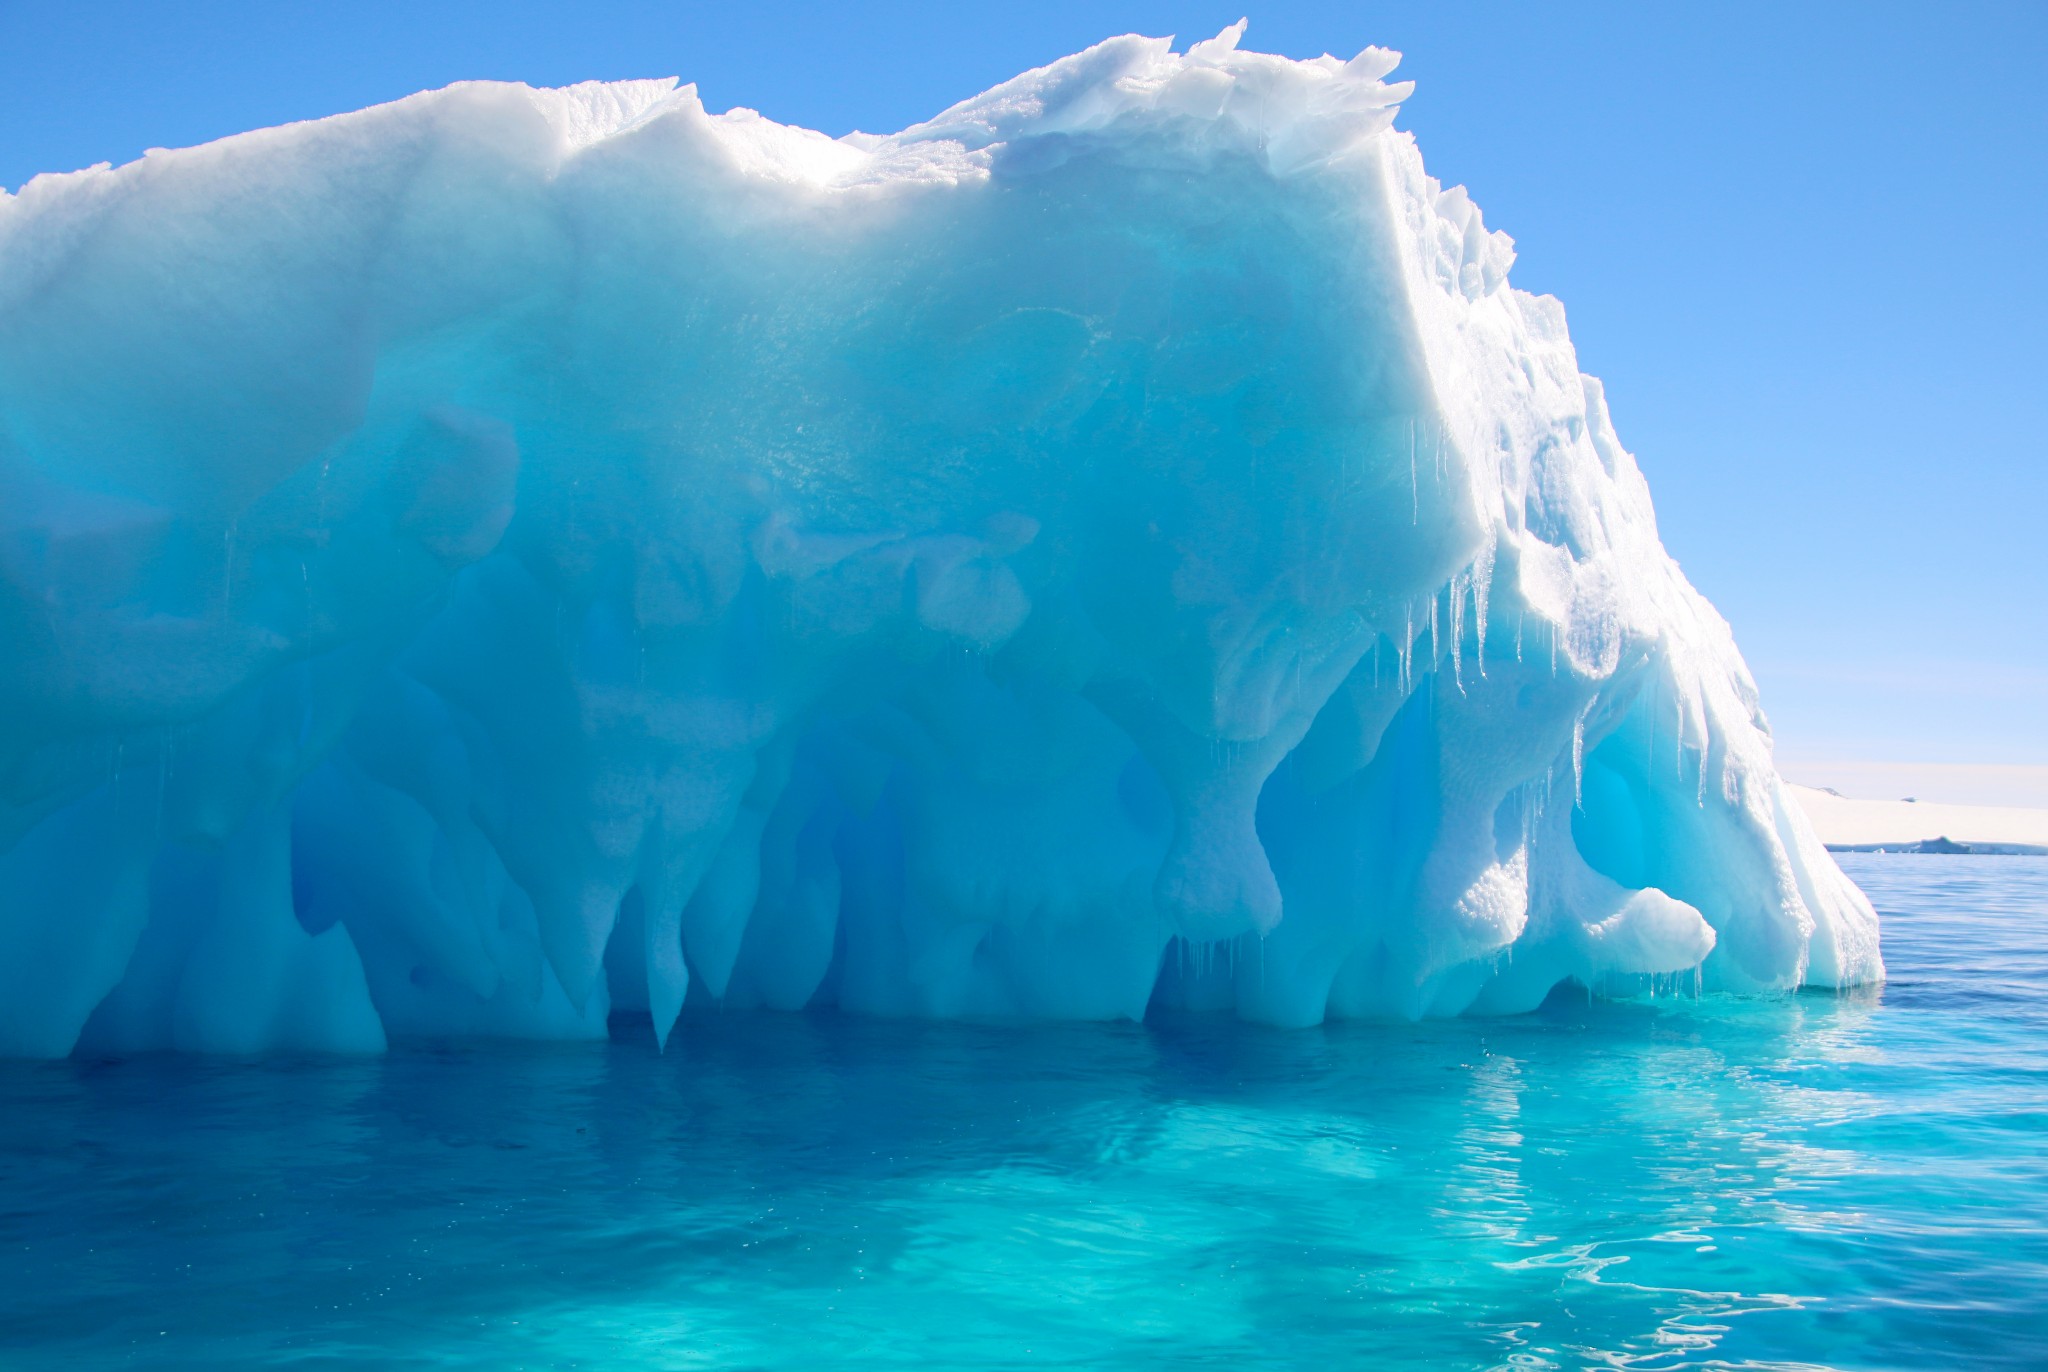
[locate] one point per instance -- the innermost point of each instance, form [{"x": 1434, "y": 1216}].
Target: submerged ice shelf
[{"x": 509, "y": 555}]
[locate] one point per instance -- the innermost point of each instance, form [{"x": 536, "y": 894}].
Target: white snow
[{"x": 505, "y": 556}]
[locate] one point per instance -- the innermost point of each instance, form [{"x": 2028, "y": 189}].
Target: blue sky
[{"x": 1802, "y": 243}]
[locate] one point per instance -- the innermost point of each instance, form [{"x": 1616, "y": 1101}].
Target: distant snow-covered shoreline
[{"x": 1845, "y": 824}]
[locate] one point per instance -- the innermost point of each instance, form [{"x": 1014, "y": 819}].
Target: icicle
[
  {"x": 1482, "y": 587},
  {"x": 1457, "y": 601},
  {"x": 1579, "y": 757},
  {"x": 1678, "y": 724},
  {"x": 1407, "y": 645}
]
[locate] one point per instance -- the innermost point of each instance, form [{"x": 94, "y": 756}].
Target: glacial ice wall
[{"x": 509, "y": 556}]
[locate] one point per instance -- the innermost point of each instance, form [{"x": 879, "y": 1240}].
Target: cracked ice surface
[{"x": 510, "y": 555}]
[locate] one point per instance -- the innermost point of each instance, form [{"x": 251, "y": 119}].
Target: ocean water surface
[{"x": 1852, "y": 1181}]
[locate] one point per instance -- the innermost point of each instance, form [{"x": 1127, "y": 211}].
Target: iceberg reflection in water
[{"x": 1849, "y": 1180}]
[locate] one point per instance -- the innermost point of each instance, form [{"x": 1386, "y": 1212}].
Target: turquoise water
[{"x": 1856, "y": 1181}]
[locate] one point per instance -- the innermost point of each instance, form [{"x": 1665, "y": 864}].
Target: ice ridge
[{"x": 508, "y": 557}]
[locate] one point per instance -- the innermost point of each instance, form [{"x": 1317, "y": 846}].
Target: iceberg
[{"x": 508, "y": 557}]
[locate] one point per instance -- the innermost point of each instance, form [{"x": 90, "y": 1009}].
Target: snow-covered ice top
[{"x": 508, "y": 556}]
